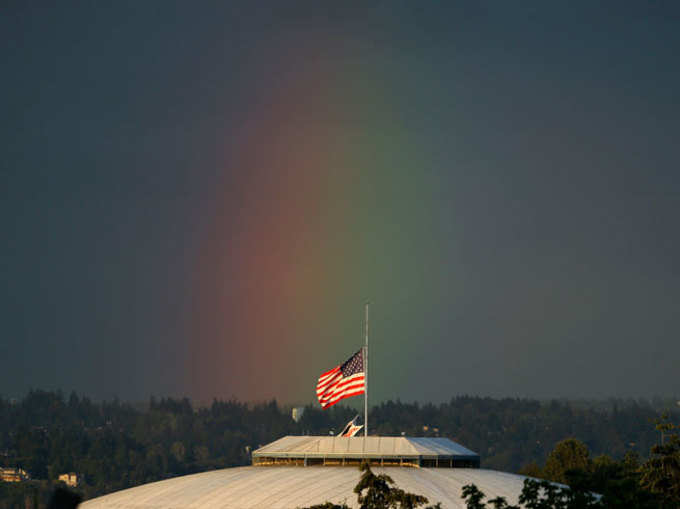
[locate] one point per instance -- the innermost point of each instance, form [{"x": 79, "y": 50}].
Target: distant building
[
  {"x": 70, "y": 479},
  {"x": 297, "y": 413},
  {"x": 13, "y": 474}
]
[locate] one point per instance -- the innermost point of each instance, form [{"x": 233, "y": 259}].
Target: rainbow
[{"x": 317, "y": 212}]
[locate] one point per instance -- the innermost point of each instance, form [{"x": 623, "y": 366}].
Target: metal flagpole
[{"x": 366, "y": 377}]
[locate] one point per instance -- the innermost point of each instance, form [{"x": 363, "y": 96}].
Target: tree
[
  {"x": 473, "y": 497},
  {"x": 569, "y": 454},
  {"x": 536, "y": 495},
  {"x": 329, "y": 505},
  {"x": 546, "y": 495},
  {"x": 661, "y": 472},
  {"x": 378, "y": 492},
  {"x": 532, "y": 470},
  {"x": 63, "y": 498},
  {"x": 617, "y": 481},
  {"x": 380, "y": 495}
]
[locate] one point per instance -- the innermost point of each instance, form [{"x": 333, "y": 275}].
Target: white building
[
  {"x": 13, "y": 474},
  {"x": 71, "y": 479},
  {"x": 297, "y": 413}
]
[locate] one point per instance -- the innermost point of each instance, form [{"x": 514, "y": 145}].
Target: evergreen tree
[
  {"x": 661, "y": 473},
  {"x": 569, "y": 454}
]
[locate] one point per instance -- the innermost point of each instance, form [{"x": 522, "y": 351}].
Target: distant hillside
[{"x": 116, "y": 445}]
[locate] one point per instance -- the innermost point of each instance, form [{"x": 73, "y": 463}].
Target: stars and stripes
[{"x": 342, "y": 381}]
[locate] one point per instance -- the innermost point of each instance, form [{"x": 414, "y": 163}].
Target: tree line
[
  {"x": 570, "y": 479},
  {"x": 116, "y": 445}
]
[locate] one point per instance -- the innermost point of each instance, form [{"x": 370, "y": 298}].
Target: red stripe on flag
[
  {"x": 329, "y": 381},
  {"x": 359, "y": 385},
  {"x": 333, "y": 386}
]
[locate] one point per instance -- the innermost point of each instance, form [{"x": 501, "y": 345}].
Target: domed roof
[
  {"x": 300, "y": 471},
  {"x": 297, "y": 486}
]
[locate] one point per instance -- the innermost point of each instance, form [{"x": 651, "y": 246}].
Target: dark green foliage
[
  {"x": 661, "y": 473},
  {"x": 509, "y": 433},
  {"x": 532, "y": 470},
  {"x": 568, "y": 454},
  {"x": 376, "y": 488},
  {"x": 116, "y": 445},
  {"x": 63, "y": 498},
  {"x": 619, "y": 482},
  {"x": 374, "y": 492},
  {"x": 328, "y": 505},
  {"x": 26, "y": 495},
  {"x": 535, "y": 495},
  {"x": 473, "y": 497},
  {"x": 379, "y": 492},
  {"x": 546, "y": 495},
  {"x": 500, "y": 503}
]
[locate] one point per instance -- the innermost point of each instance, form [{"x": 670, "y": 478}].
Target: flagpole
[{"x": 366, "y": 377}]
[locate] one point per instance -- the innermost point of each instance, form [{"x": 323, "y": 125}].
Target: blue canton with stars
[{"x": 353, "y": 365}]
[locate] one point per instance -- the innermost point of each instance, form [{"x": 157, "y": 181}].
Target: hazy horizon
[{"x": 356, "y": 403}]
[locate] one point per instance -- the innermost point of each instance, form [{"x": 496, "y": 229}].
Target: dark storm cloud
[{"x": 564, "y": 180}]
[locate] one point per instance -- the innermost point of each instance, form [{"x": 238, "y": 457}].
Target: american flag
[{"x": 342, "y": 381}]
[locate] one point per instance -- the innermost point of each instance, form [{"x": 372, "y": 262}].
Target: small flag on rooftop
[
  {"x": 351, "y": 428},
  {"x": 342, "y": 381}
]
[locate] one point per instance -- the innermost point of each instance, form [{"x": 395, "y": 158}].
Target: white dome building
[{"x": 299, "y": 471}]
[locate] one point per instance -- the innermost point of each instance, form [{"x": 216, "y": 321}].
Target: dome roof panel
[{"x": 290, "y": 487}]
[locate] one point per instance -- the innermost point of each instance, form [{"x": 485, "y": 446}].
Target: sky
[{"x": 198, "y": 198}]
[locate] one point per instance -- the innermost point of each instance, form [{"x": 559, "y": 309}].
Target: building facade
[
  {"x": 70, "y": 479},
  {"x": 13, "y": 475}
]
